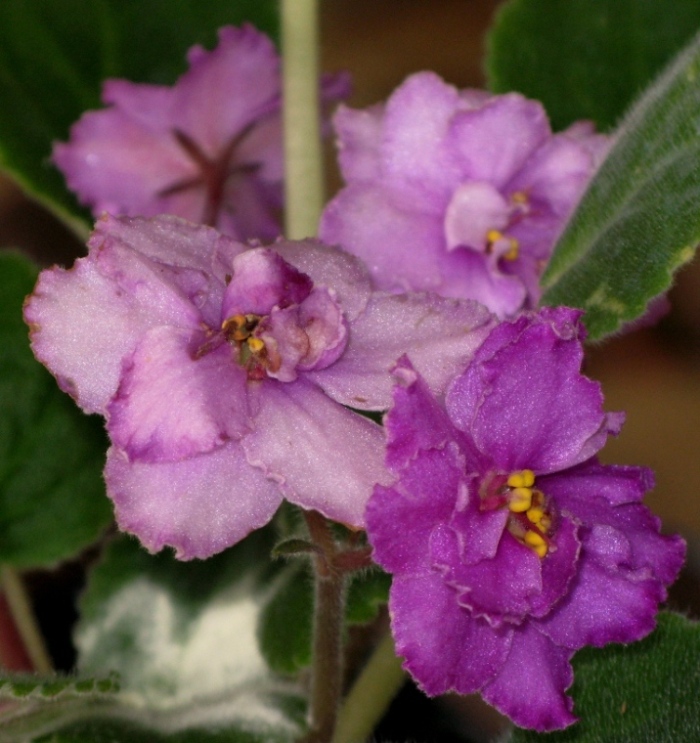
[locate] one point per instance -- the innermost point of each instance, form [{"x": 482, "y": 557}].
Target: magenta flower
[
  {"x": 457, "y": 192},
  {"x": 510, "y": 546},
  {"x": 208, "y": 149},
  {"x": 224, "y": 372}
]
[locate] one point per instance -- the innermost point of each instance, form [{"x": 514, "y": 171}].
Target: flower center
[
  {"x": 214, "y": 172},
  {"x": 529, "y": 518},
  {"x": 252, "y": 353}
]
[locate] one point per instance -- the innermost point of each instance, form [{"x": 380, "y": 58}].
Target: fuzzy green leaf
[
  {"x": 647, "y": 692},
  {"x": 52, "y": 500},
  {"x": 286, "y": 621},
  {"x": 639, "y": 220},
  {"x": 182, "y": 637},
  {"x": 586, "y": 59},
  {"x": 55, "y": 54},
  {"x": 30, "y": 687}
]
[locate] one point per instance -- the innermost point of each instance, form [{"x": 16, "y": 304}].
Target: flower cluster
[
  {"x": 511, "y": 547},
  {"x": 458, "y": 192},
  {"x": 231, "y": 373}
]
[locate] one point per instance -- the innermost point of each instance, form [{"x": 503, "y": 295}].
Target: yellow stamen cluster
[
  {"x": 519, "y": 197},
  {"x": 524, "y": 498},
  {"x": 239, "y": 330},
  {"x": 493, "y": 236}
]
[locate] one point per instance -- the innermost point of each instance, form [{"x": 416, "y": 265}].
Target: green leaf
[
  {"x": 52, "y": 501},
  {"x": 286, "y": 621},
  {"x": 368, "y": 592},
  {"x": 182, "y": 638},
  {"x": 639, "y": 220},
  {"x": 55, "y": 54},
  {"x": 647, "y": 692},
  {"x": 31, "y": 687},
  {"x": 586, "y": 59}
]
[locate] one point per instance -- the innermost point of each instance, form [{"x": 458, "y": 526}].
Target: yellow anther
[
  {"x": 535, "y": 514},
  {"x": 521, "y": 479},
  {"x": 493, "y": 236},
  {"x": 545, "y": 523},
  {"x": 255, "y": 345},
  {"x": 519, "y": 197},
  {"x": 536, "y": 542},
  {"x": 514, "y": 251},
  {"x": 519, "y": 500}
]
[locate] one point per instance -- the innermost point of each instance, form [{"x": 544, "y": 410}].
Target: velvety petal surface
[
  {"x": 524, "y": 413},
  {"x": 401, "y": 249},
  {"x": 329, "y": 267},
  {"x": 401, "y": 519},
  {"x": 530, "y": 687},
  {"x": 438, "y": 335},
  {"x": 199, "y": 506},
  {"x": 171, "y": 405},
  {"x": 493, "y": 142},
  {"x": 227, "y": 88},
  {"x": 85, "y": 321},
  {"x": 445, "y": 649},
  {"x": 323, "y": 456}
]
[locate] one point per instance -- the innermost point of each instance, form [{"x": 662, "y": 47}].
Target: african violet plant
[{"x": 386, "y": 388}]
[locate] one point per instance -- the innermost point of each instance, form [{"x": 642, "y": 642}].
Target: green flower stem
[
  {"x": 371, "y": 694},
  {"x": 329, "y": 614},
  {"x": 302, "y": 133},
  {"x": 22, "y": 613}
]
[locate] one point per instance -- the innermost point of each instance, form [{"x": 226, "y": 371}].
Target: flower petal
[
  {"x": 171, "y": 405},
  {"x": 85, "y": 321},
  {"x": 439, "y": 336},
  {"x": 198, "y": 506},
  {"x": 493, "y": 142},
  {"x": 331, "y": 268},
  {"x": 322, "y": 455},
  {"x": 445, "y": 649},
  {"x": 524, "y": 413},
  {"x": 400, "y": 519},
  {"x": 530, "y": 687}
]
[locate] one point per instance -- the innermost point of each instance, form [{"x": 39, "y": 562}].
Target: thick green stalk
[
  {"x": 302, "y": 133},
  {"x": 371, "y": 694},
  {"x": 22, "y": 613},
  {"x": 329, "y": 615}
]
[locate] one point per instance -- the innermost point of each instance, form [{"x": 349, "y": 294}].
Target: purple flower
[
  {"x": 208, "y": 149},
  {"x": 224, "y": 371},
  {"x": 458, "y": 192},
  {"x": 510, "y": 546}
]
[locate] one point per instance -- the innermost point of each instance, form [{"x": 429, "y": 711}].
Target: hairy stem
[
  {"x": 329, "y": 613},
  {"x": 22, "y": 613},
  {"x": 301, "y": 115},
  {"x": 371, "y": 694}
]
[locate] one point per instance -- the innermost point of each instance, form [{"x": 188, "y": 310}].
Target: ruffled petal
[
  {"x": 530, "y": 687},
  {"x": 323, "y": 456},
  {"x": 199, "y": 506},
  {"x": 402, "y": 249},
  {"x": 85, "y": 321},
  {"x": 227, "y": 88},
  {"x": 525, "y": 413},
  {"x": 359, "y": 135},
  {"x": 331, "y": 268},
  {"x": 445, "y": 649},
  {"x": 492, "y": 143},
  {"x": 474, "y": 209},
  {"x": 417, "y": 120},
  {"x": 262, "y": 280},
  {"x": 438, "y": 335},
  {"x": 171, "y": 405},
  {"x": 401, "y": 519}
]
